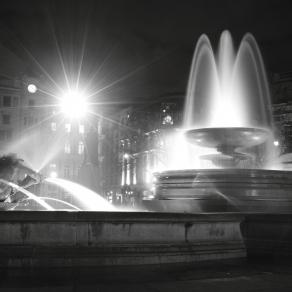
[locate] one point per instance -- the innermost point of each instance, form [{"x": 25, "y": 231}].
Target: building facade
[
  {"x": 282, "y": 110},
  {"x": 143, "y": 137},
  {"x": 114, "y": 157}
]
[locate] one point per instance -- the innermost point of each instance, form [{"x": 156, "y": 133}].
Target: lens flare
[{"x": 74, "y": 104}]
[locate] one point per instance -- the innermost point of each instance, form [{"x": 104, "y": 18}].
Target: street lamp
[
  {"x": 126, "y": 155},
  {"x": 53, "y": 174},
  {"x": 73, "y": 104},
  {"x": 31, "y": 88}
]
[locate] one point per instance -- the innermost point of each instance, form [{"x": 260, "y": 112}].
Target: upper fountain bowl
[{"x": 233, "y": 137}]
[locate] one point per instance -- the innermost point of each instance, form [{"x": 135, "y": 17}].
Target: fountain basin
[
  {"x": 235, "y": 137},
  {"x": 92, "y": 239},
  {"x": 223, "y": 190}
]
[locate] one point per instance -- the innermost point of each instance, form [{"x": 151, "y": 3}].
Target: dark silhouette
[{"x": 14, "y": 171}]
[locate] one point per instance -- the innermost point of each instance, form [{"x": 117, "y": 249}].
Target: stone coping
[
  {"x": 269, "y": 217},
  {"x": 234, "y": 172},
  {"x": 118, "y": 217}
]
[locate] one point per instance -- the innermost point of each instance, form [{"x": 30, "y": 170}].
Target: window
[
  {"x": 31, "y": 102},
  {"x": 5, "y": 135},
  {"x": 7, "y": 101},
  {"x": 28, "y": 121},
  {"x": 134, "y": 172},
  {"x": 81, "y": 129},
  {"x": 15, "y": 101},
  {"x": 68, "y": 128},
  {"x": 67, "y": 148},
  {"x": 2, "y": 135},
  {"x": 66, "y": 171},
  {"x": 288, "y": 131},
  {"x": 8, "y": 134},
  {"x": 53, "y": 170},
  {"x": 6, "y": 119},
  {"x": 54, "y": 126},
  {"x": 128, "y": 177},
  {"x": 80, "y": 147}
]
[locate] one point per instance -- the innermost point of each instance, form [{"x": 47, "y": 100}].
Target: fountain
[{"x": 228, "y": 112}]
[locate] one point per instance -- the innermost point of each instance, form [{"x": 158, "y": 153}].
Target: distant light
[
  {"x": 31, "y": 88},
  {"x": 276, "y": 143},
  {"x": 73, "y": 104},
  {"x": 126, "y": 156},
  {"x": 167, "y": 120},
  {"x": 81, "y": 129},
  {"x": 53, "y": 174}
]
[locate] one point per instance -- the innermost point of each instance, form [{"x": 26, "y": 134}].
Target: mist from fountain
[
  {"x": 230, "y": 90},
  {"x": 29, "y": 195},
  {"x": 89, "y": 200},
  {"x": 26, "y": 145},
  {"x": 72, "y": 207},
  {"x": 222, "y": 158}
]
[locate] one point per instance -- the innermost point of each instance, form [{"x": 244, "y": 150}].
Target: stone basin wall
[{"x": 92, "y": 239}]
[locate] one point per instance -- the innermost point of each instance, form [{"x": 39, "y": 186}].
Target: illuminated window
[
  {"x": 128, "y": 174},
  {"x": 67, "y": 148},
  {"x": 134, "y": 173},
  {"x": 123, "y": 173},
  {"x": 81, "y": 129},
  {"x": 80, "y": 147},
  {"x": 68, "y": 128},
  {"x": 54, "y": 126}
]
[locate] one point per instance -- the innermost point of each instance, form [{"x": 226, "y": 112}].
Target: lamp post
[{"x": 31, "y": 88}]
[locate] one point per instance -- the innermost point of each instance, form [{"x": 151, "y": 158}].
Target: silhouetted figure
[{"x": 13, "y": 170}]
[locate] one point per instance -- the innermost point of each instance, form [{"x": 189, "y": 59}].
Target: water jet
[{"x": 228, "y": 111}]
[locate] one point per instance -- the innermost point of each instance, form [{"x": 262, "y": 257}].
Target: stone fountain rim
[
  {"x": 115, "y": 217},
  {"x": 211, "y": 137},
  {"x": 222, "y": 171}
]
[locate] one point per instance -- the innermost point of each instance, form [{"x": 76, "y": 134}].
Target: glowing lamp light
[
  {"x": 53, "y": 174},
  {"x": 276, "y": 143},
  {"x": 126, "y": 156},
  {"x": 73, "y": 104},
  {"x": 31, "y": 88}
]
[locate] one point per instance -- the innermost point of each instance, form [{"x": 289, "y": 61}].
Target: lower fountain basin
[
  {"x": 223, "y": 190},
  {"x": 95, "y": 239}
]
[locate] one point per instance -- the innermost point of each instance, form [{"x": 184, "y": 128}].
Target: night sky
[{"x": 134, "y": 51}]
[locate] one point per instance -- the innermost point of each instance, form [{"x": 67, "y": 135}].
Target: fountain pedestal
[
  {"x": 221, "y": 190},
  {"x": 230, "y": 144}
]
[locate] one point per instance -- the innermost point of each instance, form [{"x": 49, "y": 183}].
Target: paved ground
[{"x": 213, "y": 276}]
